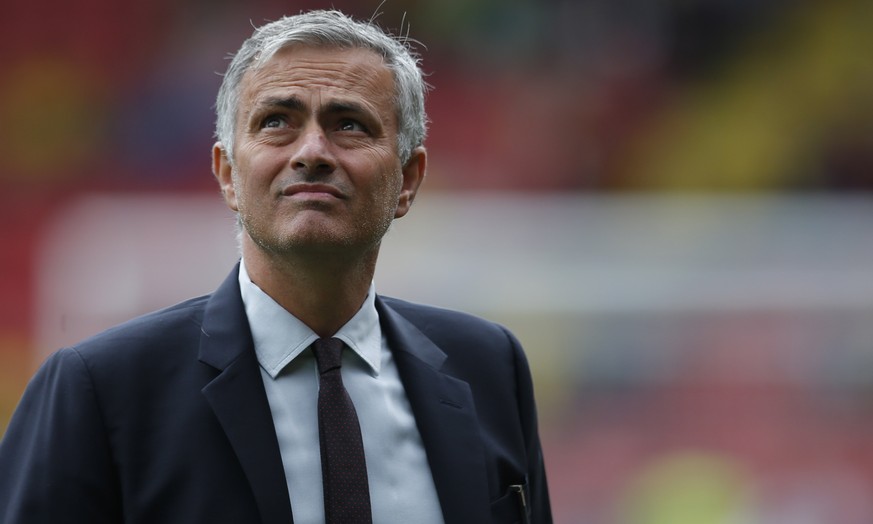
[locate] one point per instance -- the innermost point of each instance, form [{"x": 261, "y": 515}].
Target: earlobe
[
  {"x": 413, "y": 175},
  {"x": 223, "y": 171}
]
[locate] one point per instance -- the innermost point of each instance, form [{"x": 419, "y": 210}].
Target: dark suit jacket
[{"x": 164, "y": 419}]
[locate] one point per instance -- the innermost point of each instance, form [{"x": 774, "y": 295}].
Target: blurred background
[{"x": 669, "y": 202}]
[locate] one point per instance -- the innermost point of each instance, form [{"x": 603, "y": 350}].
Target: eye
[
  {"x": 274, "y": 122},
  {"x": 351, "y": 126}
]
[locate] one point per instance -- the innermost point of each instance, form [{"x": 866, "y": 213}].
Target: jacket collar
[
  {"x": 446, "y": 417},
  {"x": 238, "y": 399}
]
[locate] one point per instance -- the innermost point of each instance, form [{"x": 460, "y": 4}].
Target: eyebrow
[
  {"x": 345, "y": 107},
  {"x": 292, "y": 103},
  {"x": 296, "y": 104}
]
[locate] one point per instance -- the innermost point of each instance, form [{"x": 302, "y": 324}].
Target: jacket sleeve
[
  {"x": 55, "y": 461},
  {"x": 537, "y": 496}
]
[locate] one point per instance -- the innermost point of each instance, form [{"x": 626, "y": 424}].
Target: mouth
[{"x": 312, "y": 191}]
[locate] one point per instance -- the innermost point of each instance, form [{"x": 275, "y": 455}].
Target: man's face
[{"x": 316, "y": 164}]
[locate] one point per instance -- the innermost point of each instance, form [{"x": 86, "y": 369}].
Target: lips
[{"x": 314, "y": 190}]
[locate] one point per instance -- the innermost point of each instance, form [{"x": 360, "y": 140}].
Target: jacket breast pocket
[{"x": 513, "y": 507}]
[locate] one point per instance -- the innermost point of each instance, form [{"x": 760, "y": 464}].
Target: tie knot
[{"x": 328, "y": 354}]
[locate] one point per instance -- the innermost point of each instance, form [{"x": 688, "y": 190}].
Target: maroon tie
[{"x": 343, "y": 468}]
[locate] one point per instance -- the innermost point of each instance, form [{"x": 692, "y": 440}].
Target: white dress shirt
[{"x": 401, "y": 485}]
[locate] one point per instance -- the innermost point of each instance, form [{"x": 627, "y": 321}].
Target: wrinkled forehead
[
  {"x": 362, "y": 61},
  {"x": 358, "y": 74},
  {"x": 307, "y": 65}
]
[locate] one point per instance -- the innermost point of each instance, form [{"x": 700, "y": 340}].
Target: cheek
[
  {"x": 239, "y": 184},
  {"x": 247, "y": 190},
  {"x": 386, "y": 189},
  {"x": 395, "y": 183},
  {"x": 371, "y": 174},
  {"x": 389, "y": 178},
  {"x": 254, "y": 180}
]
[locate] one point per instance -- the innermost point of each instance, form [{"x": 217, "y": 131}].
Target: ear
[
  {"x": 223, "y": 171},
  {"x": 413, "y": 175}
]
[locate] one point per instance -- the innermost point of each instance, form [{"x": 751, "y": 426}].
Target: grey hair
[{"x": 329, "y": 29}]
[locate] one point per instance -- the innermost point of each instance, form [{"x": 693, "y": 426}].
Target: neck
[{"x": 323, "y": 290}]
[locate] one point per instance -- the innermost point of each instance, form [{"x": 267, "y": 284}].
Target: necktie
[{"x": 343, "y": 468}]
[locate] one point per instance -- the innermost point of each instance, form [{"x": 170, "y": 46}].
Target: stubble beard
[{"x": 319, "y": 240}]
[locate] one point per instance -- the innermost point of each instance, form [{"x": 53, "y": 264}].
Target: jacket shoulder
[
  {"x": 456, "y": 329},
  {"x": 168, "y": 326},
  {"x": 428, "y": 316}
]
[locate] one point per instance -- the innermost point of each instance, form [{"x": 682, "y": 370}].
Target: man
[{"x": 211, "y": 410}]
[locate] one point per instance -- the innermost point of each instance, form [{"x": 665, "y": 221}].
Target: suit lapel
[
  {"x": 446, "y": 418},
  {"x": 238, "y": 399},
  {"x": 443, "y": 408}
]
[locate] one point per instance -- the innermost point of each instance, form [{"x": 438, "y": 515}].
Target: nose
[{"x": 312, "y": 156}]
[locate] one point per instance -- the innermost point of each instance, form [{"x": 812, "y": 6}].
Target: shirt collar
[{"x": 280, "y": 337}]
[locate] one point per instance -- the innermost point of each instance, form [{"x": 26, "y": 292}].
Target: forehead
[{"x": 327, "y": 72}]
